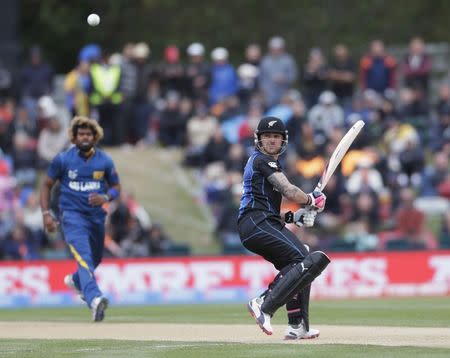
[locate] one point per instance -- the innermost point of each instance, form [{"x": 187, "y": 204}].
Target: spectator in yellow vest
[{"x": 105, "y": 97}]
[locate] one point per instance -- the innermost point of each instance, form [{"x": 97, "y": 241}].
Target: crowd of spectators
[{"x": 395, "y": 177}]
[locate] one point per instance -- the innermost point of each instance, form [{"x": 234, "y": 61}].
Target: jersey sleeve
[
  {"x": 55, "y": 170},
  {"x": 111, "y": 176},
  {"x": 266, "y": 165}
]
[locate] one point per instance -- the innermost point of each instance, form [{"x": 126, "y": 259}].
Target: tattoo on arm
[{"x": 288, "y": 190}]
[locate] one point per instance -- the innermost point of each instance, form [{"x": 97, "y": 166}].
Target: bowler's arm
[{"x": 50, "y": 223}]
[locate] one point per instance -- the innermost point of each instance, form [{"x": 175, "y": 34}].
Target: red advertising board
[{"x": 197, "y": 278}]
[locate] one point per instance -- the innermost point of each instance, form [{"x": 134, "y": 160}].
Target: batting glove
[
  {"x": 316, "y": 201},
  {"x": 302, "y": 217}
]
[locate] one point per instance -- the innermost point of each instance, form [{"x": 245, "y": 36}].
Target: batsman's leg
[{"x": 295, "y": 280}]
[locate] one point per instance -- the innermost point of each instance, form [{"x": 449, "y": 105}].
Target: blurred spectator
[
  {"x": 294, "y": 123},
  {"x": 32, "y": 214},
  {"x": 248, "y": 81},
  {"x": 278, "y": 71},
  {"x": 76, "y": 86},
  {"x": 444, "y": 235},
  {"x": 7, "y": 186},
  {"x": 412, "y": 163},
  {"x": 52, "y": 139},
  {"x": 236, "y": 158},
  {"x": 410, "y": 222},
  {"x": 248, "y": 73},
  {"x": 443, "y": 98},
  {"x": 21, "y": 244},
  {"x": 129, "y": 82},
  {"x": 253, "y": 55},
  {"x": 412, "y": 104},
  {"x": 197, "y": 72},
  {"x": 25, "y": 159},
  {"x": 331, "y": 218},
  {"x": 230, "y": 107},
  {"x": 36, "y": 80},
  {"x": 416, "y": 67},
  {"x": 105, "y": 97},
  {"x": 6, "y": 81},
  {"x": 315, "y": 75},
  {"x": 159, "y": 241},
  {"x": 216, "y": 148},
  {"x": 224, "y": 80},
  {"x": 7, "y": 112},
  {"x": 172, "y": 124},
  {"x": 22, "y": 123},
  {"x": 119, "y": 216},
  {"x": 359, "y": 232},
  {"x": 440, "y": 128},
  {"x": 200, "y": 128},
  {"x": 365, "y": 178},
  {"x": 326, "y": 115},
  {"x": 186, "y": 111},
  {"x": 226, "y": 229},
  {"x": 248, "y": 126},
  {"x": 435, "y": 174},
  {"x": 129, "y": 71},
  {"x": 171, "y": 71},
  {"x": 309, "y": 145},
  {"x": 342, "y": 75},
  {"x": 148, "y": 93},
  {"x": 136, "y": 242},
  {"x": 377, "y": 69}
]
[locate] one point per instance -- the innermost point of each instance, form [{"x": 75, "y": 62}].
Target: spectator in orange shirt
[{"x": 377, "y": 68}]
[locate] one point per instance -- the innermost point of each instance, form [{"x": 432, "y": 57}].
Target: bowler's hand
[
  {"x": 50, "y": 223},
  {"x": 96, "y": 199}
]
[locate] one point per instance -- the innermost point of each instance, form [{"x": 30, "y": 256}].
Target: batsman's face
[
  {"x": 85, "y": 139},
  {"x": 271, "y": 143}
]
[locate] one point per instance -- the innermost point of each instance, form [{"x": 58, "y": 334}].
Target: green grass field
[{"x": 420, "y": 312}]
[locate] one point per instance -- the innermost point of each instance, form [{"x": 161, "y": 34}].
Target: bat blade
[{"x": 339, "y": 153}]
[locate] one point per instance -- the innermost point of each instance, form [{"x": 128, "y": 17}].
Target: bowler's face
[
  {"x": 84, "y": 139},
  {"x": 271, "y": 143}
]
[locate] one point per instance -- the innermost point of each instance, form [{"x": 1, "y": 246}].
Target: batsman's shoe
[
  {"x": 98, "y": 306},
  {"x": 68, "y": 281},
  {"x": 299, "y": 332},
  {"x": 261, "y": 318}
]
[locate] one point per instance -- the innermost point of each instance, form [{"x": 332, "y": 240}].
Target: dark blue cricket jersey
[
  {"x": 259, "y": 193},
  {"x": 80, "y": 177}
]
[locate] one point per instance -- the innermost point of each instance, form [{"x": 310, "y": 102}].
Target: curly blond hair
[{"x": 85, "y": 122}]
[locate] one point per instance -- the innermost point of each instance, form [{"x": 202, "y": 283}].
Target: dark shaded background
[{"x": 61, "y": 28}]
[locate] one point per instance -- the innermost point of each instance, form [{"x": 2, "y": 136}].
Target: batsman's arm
[
  {"x": 50, "y": 223},
  {"x": 288, "y": 190}
]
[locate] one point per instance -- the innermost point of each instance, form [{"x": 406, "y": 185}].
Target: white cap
[
  {"x": 219, "y": 54},
  {"x": 276, "y": 42},
  {"x": 327, "y": 97},
  {"x": 47, "y": 106},
  {"x": 116, "y": 59},
  {"x": 141, "y": 50},
  {"x": 248, "y": 70},
  {"x": 196, "y": 49}
]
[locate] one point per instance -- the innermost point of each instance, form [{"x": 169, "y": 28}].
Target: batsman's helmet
[{"x": 271, "y": 125}]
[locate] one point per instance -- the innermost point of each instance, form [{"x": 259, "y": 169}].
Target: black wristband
[{"x": 309, "y": 202}]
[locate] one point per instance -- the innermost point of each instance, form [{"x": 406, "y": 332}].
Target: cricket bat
[
  {"x": 338, "y": 154},
  {"x": 332, "y": 164}
]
